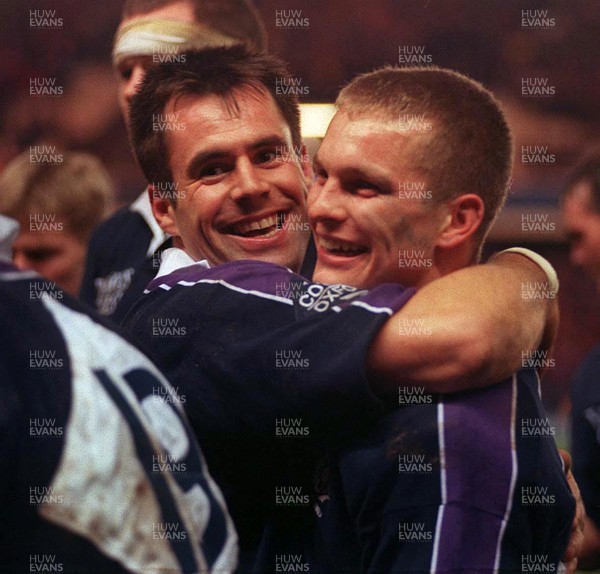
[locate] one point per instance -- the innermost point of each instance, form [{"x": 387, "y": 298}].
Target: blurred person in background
[
  {"x": 120, "y": 259},
  {"x": 581, "y": 217},
  {"x": 58, "y": 199}
]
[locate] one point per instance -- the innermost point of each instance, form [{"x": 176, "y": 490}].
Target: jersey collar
[
  {"x": 142, "y": 206},
  {"x": 174, "y": 258}
]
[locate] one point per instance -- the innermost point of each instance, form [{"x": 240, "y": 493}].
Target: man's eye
[
  {"x": 213, "y": 171},
  {"x": 268, "y": 156},
  {"x": 365, "y": 188},
  {"x": 363, "y": 184}
]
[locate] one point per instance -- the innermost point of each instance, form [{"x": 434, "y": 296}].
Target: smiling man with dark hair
[
  {"x": 216, "y": 146},
  {"x": 150, "y": 32}
]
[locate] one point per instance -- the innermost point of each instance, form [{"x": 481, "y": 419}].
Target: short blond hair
[
  {"x": 74, "y": 186},
  {"x": 469, "y": 148}
]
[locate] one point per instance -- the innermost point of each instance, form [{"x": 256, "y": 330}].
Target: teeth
[
  {"x": 340, "y": 246},
  {"x": 265, "y": 223},
  {"x": 270, "y": 233}
]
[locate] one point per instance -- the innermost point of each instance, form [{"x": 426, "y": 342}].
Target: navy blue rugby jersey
[
  {"x": 270, "y": 368},
  {"x": 117, "y": 249},
  {"x": 585, "y": 435},
  {"x": 99, "y": 469},
  {"x": 470, "y": 482}
]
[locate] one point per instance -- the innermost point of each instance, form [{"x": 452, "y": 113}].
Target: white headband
[{"x": 145, "y": 37}]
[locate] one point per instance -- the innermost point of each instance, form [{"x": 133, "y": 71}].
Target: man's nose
[
  {"x": 250, "y": 182},
  {"x": 326, "y": 203}
]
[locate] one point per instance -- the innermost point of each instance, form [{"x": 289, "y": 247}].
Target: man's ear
[
  {"x": 163, "y": 210},
  {"x": 306, "y": 166},
  {"x": 463, "y": 218}
]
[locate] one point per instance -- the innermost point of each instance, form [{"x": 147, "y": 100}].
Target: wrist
[{"x": 541, "y": 262}]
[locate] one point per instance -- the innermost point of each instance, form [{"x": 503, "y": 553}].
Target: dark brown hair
[{"x": 218, "y": 71}]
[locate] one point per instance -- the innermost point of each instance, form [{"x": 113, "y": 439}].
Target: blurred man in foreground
[{"x": 100, "y": 471}]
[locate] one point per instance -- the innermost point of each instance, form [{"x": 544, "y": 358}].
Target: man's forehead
[
  {"x": 240, "y": 102},
  {"x": 372, "y": 138},
  {"x": 36, "y": 239},
  {"x": 364, "y": 124},
  {"x": 248, "y": 115}
]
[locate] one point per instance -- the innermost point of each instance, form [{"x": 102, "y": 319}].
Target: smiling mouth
[
  {"x": 342, "y": 248},
  {"x": 266, "y": 227}
]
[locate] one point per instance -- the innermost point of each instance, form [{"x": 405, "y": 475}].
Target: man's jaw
[{"x": 340, "y": 260}]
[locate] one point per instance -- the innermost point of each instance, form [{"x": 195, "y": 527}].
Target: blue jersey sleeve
[{"x": 251, "y": 347}]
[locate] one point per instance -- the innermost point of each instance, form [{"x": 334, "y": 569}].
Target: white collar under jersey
[
  {"x": 9, "y": 229},
  {"x": 142, "y": 206},
  {"x": 174, "y": 258}
]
